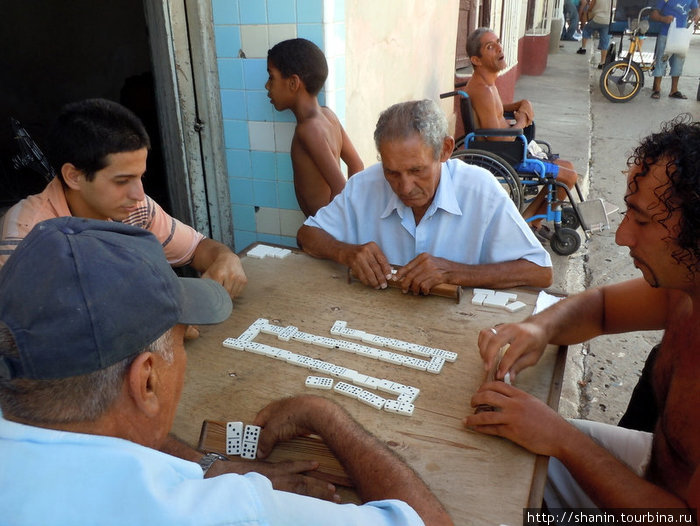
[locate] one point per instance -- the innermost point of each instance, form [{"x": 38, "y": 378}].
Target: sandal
[
  {"x": 677, "y": 95},
  {"x": 656, "y": 95}
]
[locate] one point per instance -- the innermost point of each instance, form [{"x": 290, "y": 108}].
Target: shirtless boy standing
[{"x": 297, "y": 70}]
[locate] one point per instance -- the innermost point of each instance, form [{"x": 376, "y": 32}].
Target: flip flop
[
  {"x": 677, "y": 95},
  {"x": 655, "y": 95}
]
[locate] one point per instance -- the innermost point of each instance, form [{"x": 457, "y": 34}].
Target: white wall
[{"x": 395, "y": 51}]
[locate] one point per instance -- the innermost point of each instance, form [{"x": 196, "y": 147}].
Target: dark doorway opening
[{"x": 56, "y": 52}]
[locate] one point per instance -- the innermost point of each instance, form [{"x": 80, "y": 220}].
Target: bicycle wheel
[
  {"x": 620, "y": 81},
  {"x": 501, "y": 170}
]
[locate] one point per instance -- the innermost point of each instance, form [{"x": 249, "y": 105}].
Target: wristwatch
[{"x": 208, "y": 459}]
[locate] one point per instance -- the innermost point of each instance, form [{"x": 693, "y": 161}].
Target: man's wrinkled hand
[
  {"x": 423, "y": 273},
  {"x": 369, "y": 264},
  {"x": 524, "y": 342},
  {"x": 291, "y": 476}
]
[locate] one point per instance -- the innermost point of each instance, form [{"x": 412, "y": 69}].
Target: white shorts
[{"x": 631, "y": 447}]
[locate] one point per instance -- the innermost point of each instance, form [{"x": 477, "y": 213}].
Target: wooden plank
[{"x": 480, "y": 479}]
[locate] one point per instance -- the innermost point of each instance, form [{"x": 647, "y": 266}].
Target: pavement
[{"x": 597, "y": 135}]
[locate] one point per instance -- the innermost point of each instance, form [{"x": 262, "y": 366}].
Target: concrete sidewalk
[{"x": 597, "y": 136}]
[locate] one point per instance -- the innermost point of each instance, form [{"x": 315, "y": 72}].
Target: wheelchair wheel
[
  {"x": 620, "y": 85},
  {"x": 501, "y": 170},
  {"x": 565, "y": 241},
  {"x": 569, "y": 219}
]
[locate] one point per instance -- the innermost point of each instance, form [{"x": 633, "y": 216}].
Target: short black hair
[
  {"x": 86, "y": 131},
  {"x": 301, "y": 57},
  {"x": 676, "y": 148}
]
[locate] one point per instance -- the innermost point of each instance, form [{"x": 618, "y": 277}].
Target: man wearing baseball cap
[{"x": 92, "y": 365}]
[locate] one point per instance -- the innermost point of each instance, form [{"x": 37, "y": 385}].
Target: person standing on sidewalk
[
  {"x": 668, "y": 12},
  {"x": 571, "y": 8},
  {"x": 598, "y": 16}
]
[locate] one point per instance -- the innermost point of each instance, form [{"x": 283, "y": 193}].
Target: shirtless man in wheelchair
[{"x": 486, "y": 54}]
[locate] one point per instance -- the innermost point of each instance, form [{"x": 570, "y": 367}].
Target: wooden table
[{"x": 480, "y": 479}]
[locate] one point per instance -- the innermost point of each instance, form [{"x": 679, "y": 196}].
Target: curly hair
[{"x": 677, "y": 148}]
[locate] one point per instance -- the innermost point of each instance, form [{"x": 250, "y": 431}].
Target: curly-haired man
[{"x": 598, "y": 464}]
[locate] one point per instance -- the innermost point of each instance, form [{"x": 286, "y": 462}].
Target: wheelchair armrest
[{"x": 498, "y": 132}]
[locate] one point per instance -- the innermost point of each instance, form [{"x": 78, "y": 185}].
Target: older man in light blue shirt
[{"x": 442, "y": 220}]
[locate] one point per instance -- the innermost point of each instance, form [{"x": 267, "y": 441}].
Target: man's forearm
[
  {"x": 376, "y": 471},
  {"x": 319, "y": 244},
  {"x": 519, "y": 273},
  {"x": 608, "y": 482}
]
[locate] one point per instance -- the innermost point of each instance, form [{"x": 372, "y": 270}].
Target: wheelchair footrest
[{"x": 594, "y": 214}]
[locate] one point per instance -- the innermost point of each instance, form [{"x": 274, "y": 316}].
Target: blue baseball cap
[{"x": 80, "y": 294}]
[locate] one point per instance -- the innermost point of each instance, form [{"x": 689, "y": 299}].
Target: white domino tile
[
  {"x": 235, "y": 343},
  {"x": 338, "y": 326},
  {"x": 485, "y": 292},
  {"x": 495, "y": 301},
  {"x": 515, "y": 306},
  {"x": 249, "y": 446},
  {"x": 287, "y": 333},
  {"x": 478, "y": 299},
  {"x": 436, "y": 364},
  {"x": 318, "y": 382},
  {"x": 401, "y": 408},
  {"x": 348, "y": 390},
  {"x": 234, "y": 437},
  {"x": 371, "y": 399}
]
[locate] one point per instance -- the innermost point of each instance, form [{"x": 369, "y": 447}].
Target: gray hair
[
  {"x": 404, "y": 119},
  {"x": 474, "y": 41},
  {"x": 82, "y": 398}
]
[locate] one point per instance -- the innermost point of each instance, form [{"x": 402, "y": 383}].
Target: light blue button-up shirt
[
  {"x": 471, "y": 219},
  {"x": 56, "y": 478}
]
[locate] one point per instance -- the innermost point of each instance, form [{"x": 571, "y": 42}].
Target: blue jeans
[
  {"x": 674, "y": 60},
  {"x": 602, "y": 31},
  {"x": 572, "y": 12}
]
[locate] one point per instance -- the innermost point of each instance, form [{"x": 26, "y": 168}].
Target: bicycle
[{"x": 622, "y": 79}]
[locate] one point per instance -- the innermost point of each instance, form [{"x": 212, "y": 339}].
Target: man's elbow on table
[{"x": 542, "y": 277}]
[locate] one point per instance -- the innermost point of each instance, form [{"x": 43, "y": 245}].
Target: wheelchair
[{"x": 522, "y": 177}]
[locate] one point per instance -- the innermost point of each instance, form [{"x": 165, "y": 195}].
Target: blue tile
[
  {"x": 225, "y": 11},
  {"x": 228, "y": 41},
  {"x": 259, "y": 106},
  {"x": 339, "y": 67},
  {"x": 284, "y": 166},
  {"x": 339, "y": 11},
  {"x": 263, "y": 165},
  {"x": 288, "y": 241},
  {"x": 230, "y": 73},
  {"x": 281, "y": 12},
  {"x": 255, "y": 73},
  {"x": 233, "y": 104},
  {"x": 244, "y": 217},
  {"x": 236, "y": 134},
  {"x": 238, "y": 164},
  {"x": 309, "y": 11},
  {"x": 243, "y": 239},
  {"x": 286, "y": 196},
  {"x": 265, "y": 193},
  {"x": 322, "y": 98},
  {"x": 253, "y": 12},
  {"x": 241, "y": 191},
  {"x": 339, "y": 108},
  {"x": 313, "y": 32}
]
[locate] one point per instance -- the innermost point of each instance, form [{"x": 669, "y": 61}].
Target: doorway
[{"x": 58, "y": 52}]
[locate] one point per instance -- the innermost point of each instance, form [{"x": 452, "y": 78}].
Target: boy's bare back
[{"x": 318, "y": 145}]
